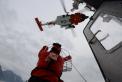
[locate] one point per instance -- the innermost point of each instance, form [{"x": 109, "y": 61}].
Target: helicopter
[{"x": 67, "y": 21}]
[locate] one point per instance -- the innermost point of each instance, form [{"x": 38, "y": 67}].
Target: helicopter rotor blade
[{"x": 63, "y": 5}]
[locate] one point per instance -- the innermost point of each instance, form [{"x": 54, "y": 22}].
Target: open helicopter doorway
[{"x": 103, "y": 34}]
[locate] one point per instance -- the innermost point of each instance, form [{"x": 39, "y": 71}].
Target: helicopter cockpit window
[{"x": 110, "y": 30}]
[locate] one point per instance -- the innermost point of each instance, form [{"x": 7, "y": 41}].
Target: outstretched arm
[
  {"x": 67, "y": 58},
  {"x": 43, "y": 50}
]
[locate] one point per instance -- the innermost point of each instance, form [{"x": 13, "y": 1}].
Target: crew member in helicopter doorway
[{"x": 50, "y": 65}]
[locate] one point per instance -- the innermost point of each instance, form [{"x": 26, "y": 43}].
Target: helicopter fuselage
[{"x": 64, "y": 21}]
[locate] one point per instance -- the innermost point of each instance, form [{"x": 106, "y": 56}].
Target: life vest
[
  {"x": 57, "y": 66},
  {"x": 48, "y": 71}
]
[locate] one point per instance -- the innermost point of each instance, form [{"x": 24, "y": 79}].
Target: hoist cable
[
  {"x": 75, "y": 66},
  {"x": 79, "y": 73}
]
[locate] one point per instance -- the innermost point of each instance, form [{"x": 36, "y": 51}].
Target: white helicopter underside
[{"x": 63, "y": 20}]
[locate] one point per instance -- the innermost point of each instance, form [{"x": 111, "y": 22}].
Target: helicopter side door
[
  {"x": 63, "y": 20},
  {"x": 104, "y": 36}
]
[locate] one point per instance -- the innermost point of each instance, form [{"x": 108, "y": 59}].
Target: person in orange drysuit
[{"x": 49, "y": 66}]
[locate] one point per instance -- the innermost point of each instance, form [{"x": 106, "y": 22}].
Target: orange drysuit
[{"x": 50, "y": 71}]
